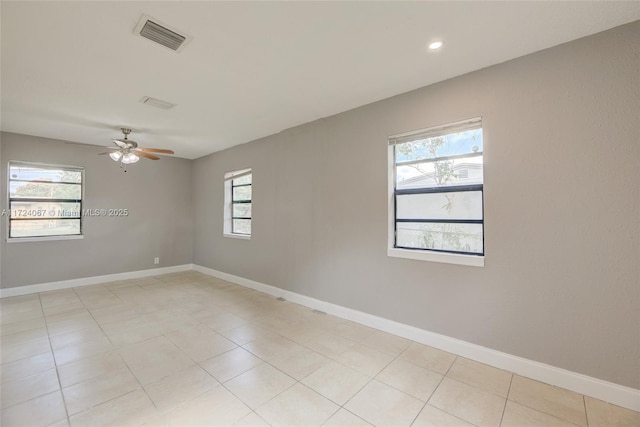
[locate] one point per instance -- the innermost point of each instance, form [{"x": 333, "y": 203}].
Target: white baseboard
[
  {"x": 609, "y": 392},
  {"x": 84, "y": 281}
]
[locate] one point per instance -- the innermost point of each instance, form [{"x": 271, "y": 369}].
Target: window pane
[
  {"x": 241, "y": 226},
  {"x": 448, "y": 237},
  {"x": 242, "y": 180},
  {"x": 465, "y": 171},
  {"x": 32, "y": 173},
  {"x": 45, "y": 227},
  {"x": 454, "y": 205},
  {"x": 242, "y": 193},
  {"x": 242, "y": 209},
  {"x": 44, "y": 210},
  {"x": 466, "y": 142},
  {"x": 27, "y": 190}
]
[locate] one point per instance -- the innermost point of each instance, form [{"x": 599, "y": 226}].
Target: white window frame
[
  {"x": 423, "y": 254},
  {"x": 10, "y": 239},
  {"x": 228, "y": 203}
]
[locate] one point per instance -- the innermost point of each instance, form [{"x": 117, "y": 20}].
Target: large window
[
  {"x": 436, "y": 194},
  {"x": 44, "y": 200},
  {"x": 238, "y": 203}
]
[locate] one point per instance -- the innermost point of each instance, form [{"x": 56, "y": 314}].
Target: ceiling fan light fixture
[
  {"x": 130, "y": 158},
  {"x": 127, "y": 152}
]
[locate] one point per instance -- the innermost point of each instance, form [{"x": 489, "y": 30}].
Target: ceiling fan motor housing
[{"x": 131, "y": 144}]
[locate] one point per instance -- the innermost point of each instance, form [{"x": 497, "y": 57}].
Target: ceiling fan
[{"x": 127, "y": 151}]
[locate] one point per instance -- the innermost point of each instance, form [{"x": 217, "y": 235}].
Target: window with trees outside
[
  {"x": 45, "y": 201},
  {"x": 238, "y": 203},
  {"x": 436, "y": 194}
]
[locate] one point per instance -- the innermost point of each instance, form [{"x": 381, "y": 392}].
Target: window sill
[
  {"x": 43, "y": 239},
  {"x": 470, "y": 260},
  {"x": 238, "y": 236}
]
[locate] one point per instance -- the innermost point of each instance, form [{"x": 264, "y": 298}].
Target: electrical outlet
[{"x": 156, "y": 260}]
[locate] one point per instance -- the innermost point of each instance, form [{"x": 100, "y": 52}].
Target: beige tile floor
[{"x": 188, "y": 349}]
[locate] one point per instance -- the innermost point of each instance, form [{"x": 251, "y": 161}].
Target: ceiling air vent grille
[
  {"x": 160, "y": 33},
  {"x": 154, "y": 102}
]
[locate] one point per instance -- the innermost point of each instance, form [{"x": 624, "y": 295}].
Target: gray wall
[
  {"x": 561, "y": 283},
  {"x": 160, "y": 221}
]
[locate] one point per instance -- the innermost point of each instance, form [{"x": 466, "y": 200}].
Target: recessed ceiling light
[{"x": 435, "y": 45}]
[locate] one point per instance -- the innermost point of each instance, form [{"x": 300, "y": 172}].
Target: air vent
[
  {"x": 158, "y": 32},
  {"x": 154, "y": 102}
]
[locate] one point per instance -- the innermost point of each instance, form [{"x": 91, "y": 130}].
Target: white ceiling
[{"x": 75, "y": 71}]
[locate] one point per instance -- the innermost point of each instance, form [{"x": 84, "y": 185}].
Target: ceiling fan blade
[
  {"x": 155, "y": 150},
  {"x": 147, "y": 155},
  {"x": 108, "y": 152}
]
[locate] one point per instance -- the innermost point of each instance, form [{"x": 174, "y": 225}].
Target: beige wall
[
  {"x": 561, "y": 283},
  {"x": 157, "y": 194}
]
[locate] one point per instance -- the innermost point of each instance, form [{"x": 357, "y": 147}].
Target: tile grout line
[
  {"x": 238, "y": 397},
  {"x": 164, "y": 332},
  {"x": 299, "y": 381},
  {"x": 281, "y": 371},
  {"x": 540, "y": 410},
  {"x": 434, "y": 391},
  {"x": 121, "y": 358},
  {"x": 94, "y": 319},
  {"x": 586, "y": 414},
  {"x": 459, "y": 380},
  {"x": 142, "y": 387},
  {"x": 408, "y": 394},
  {"x": 55, "y": 364},
  {"x": 426, "y": 402},
  {"x": 198, "y": 364},
  {"x": 546, "y": 413},
  {"x": 504, "y": 409},
  {"x": 373, "y": 378},
  {"x": 355, "y": 415}
]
